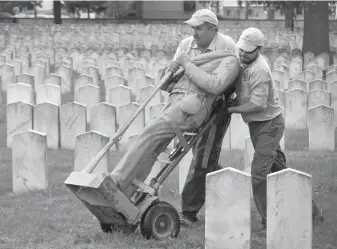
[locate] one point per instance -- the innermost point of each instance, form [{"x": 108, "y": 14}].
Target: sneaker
[{"x": 187, "y": 220}]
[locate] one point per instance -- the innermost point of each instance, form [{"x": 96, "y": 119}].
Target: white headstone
[
  {"x": 66, "y": 74},
  {"x": 297, "y": 84},
  {"x": 82, "y": 80},
  {"x": 289, "y": 209},
  {"x": 319, "y": 97},
  {"x": 52, "y": 79},
  {"x": 29, "y": 153},
  {"x": 88, "y": 95},
  {"x": 93, "y": 72},
  {"x": 103, "y": 119},
  {"x": 114, "y": 71},
  {"x": 19, "y": 92},
  {"x": 238, "y": 132},
  {"x": 119, "y": 95},
  {"x": 134, "y": 73},
  {"x": 248, "y": 155},
  {"x": 48, "y": 93},
  {"x": 318, "y": 85},
  {"x": 234, "y": 197},
  {"x": 125, "y": 112},
  {"x": 111, "y": 82},
  {"x": 296, "y": 109},
  {"x": 184, "y": 167},
  {"x": 331, "y": 76},
  {"x": 321, "y": 128},
  {"x": 46, "y": 120},
  {"x": 19, "y": 119},
  {"x": 38, "y": 73},
  {"x": 306, "y": 76},
  {"x": 279, "y": 76},
  {"x": 143, "y": 94},
  {"x": 87, "y": 145},
  {"x": 73, "y": 122},
  {"x": 8, "y": 76}
]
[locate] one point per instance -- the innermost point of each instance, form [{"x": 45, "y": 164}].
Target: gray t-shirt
[{"x": 255, "y": 84}]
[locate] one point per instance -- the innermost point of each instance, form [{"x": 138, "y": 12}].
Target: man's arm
[
  {"x": 259, "y": 95},
  {"x": 217, "y": 82},
  {"x": 169, "y": 86}
]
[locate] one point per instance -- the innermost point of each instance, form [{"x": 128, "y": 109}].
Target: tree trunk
[
  {"x": 88, "y": 11},
  {"x": 316, "y": 30},
  {"x": 289, "y": 16},
  {"x": 35, "y": 11},
  {"x": 57, "y": 12},
  {"x": 271, "y": 14},
  {"x": 247, "y": 10}
]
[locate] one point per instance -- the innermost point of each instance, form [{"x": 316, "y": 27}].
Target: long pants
[
  {"x": 193, "y": 194},
  {"x": 268, "y": 157},
  {"x": 157, "y": 135}
]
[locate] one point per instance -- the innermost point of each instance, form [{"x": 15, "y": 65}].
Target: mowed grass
[{"x": 56, "y": 219}]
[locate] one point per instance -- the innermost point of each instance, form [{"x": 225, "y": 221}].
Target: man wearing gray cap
[
  {"x": 206, "y": 152},
  {"x": 258, "y": 103},
  {"x": 192, "y": 94}
]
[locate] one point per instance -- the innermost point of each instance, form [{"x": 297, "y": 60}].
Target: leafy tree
[
  {"x": 14, "y": 7},
  {"x": 86, "y": 6},
  {"x": 316, "y": 22}
]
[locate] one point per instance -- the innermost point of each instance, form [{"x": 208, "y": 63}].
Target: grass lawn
[{"x": 56, "y": 219}]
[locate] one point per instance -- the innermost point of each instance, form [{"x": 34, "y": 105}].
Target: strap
[
  {"x": 177, "y": 131},
  {"x": 212, "y": 133},
  {"x": 209, "y": 145}
]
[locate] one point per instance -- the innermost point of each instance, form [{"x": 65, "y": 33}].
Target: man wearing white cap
[
  {"x": 258, "y": 103},
  {"x": 205, "y": 38},
  {"x": 210, "y": 67}
]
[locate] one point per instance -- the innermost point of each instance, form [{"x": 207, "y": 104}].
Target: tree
[
  {"x": 289, "y": 8},
  {"x": 57, "y": 12},
  {"x": 86, "y": 6},
  {"x": 316, "y": 29},
  {"x": 13, "y": 7},
  {"x": 316, "y": 22}
]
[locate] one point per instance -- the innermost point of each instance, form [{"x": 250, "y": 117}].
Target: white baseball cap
[
  {"x": 201, "y": 16},
  {"x": 250, "y": 39}
]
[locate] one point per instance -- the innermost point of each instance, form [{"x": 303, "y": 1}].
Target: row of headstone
[
  {"x": 289, "y": 209},
  {"x": 68, "y": 120}
]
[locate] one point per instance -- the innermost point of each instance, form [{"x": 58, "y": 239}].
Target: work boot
[{"x": 187, "y": 220}]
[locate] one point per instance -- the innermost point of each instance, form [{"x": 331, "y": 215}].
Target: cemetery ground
[{"x": 56, "y": 219}]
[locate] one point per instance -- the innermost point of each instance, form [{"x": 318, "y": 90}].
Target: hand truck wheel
[{"x": 160, "y": 221}]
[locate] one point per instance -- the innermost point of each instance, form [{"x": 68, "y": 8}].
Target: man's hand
[
  {"x": 174, "y": 66},
  {"x": 183, "y": 59}
]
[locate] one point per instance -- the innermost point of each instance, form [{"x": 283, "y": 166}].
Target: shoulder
[
  {"x": 260, "y": 68},
  {"x": 225, "y": 42},
  {"x": 226, "y": 39},
  {"x": 186, "y": 42}
]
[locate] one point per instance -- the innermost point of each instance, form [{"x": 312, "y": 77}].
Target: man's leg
[
  {"x": 266, "y": 137},
  {"x": 267, "y": 160},
  {"x": 142, "y": 155},
  {"x": 193, "y": 194},
  {"x": 157, "y": 135}
]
